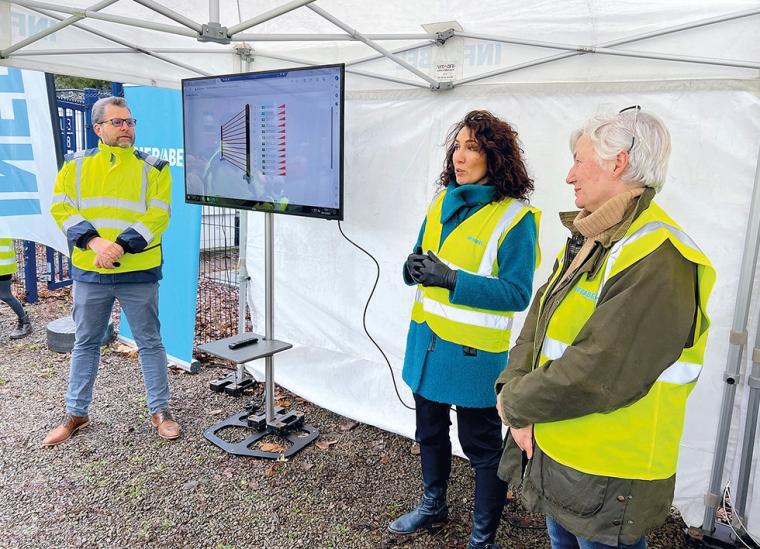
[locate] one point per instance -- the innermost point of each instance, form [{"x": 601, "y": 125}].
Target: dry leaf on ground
[
  {"x": 324, "y": 444},
  {"x": 273, "y": 447},
  {"x": 126, "y": 350}
]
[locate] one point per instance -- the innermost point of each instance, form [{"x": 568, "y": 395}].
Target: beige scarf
[{"x": 596, "y": 225}]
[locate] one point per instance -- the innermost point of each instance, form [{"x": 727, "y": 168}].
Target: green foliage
[{"x": 65, "y": 82}]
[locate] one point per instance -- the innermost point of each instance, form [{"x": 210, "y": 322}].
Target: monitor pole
[{"x": 248, "y": 346}]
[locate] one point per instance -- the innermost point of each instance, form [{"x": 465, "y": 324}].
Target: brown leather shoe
[
  {"x": 164, "y": 422},
  {"x": 69, "y": 426}
]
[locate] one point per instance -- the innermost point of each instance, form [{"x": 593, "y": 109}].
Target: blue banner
[
  {"x": 159, "y": 132},
  {"x": 27, "y": 159}
]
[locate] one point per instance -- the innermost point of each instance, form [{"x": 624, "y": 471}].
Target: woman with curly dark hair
[{"x": 473, "y": 265}]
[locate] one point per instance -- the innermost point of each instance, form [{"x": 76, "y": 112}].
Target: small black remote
[{"x": 243, "y": 343}]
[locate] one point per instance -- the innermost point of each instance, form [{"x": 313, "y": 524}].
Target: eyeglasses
[
  {"x": 635, "y": 118},
  {"x": 118, "y": 122}
]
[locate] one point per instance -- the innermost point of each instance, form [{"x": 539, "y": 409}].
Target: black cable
[{"x": 364, "y": 316}]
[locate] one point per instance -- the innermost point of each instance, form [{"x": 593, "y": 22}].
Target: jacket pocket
[{"x": 578, "y": 493}]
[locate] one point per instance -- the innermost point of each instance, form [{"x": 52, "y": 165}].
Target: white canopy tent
[{"x": 544, "y": 65}]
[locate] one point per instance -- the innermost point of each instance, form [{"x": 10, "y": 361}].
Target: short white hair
[{"x": 642, "y": 132}]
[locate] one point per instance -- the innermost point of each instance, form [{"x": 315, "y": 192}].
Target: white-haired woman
[{"x": 596, "y": 386}]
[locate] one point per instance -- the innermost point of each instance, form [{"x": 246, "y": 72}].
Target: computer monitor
[{"x": 270, "y": 141}]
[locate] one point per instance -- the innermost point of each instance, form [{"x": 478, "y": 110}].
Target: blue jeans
[
  {"x": 92, "y": 308},
  {"x": 562, "y": 539}
]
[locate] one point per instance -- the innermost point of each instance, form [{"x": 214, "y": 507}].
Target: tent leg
[
  {"x": 750, "y": 425},
  {"x": 732, "y": 373}
]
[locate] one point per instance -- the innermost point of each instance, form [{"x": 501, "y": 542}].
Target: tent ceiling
[{"x": 161, "y": 42}]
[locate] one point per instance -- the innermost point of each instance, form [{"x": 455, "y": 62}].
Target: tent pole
[
  {"x": 377, "y": 47},
  {"x": 266, "y": 16},
  {"x": 171, "y": 14},
  {"x": 127, "y": 44},
  {"x": 213, "y": 11},
  {"x": 398, "y": 50},
  {"x": 53, "y": 28},
  {"x": 609, "y": 44},
  {"x": 679, "y": 58},
  {"x": 685, "y": 26},
  {"x": 259, "y": 53},
  {"x": 118, "y": 19},
  {"x": 281, "y": 37},
  {"x": 732, "y": 373},
  {"x": 518, "y": 41}
]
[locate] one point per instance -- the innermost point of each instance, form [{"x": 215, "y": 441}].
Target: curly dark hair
[{"x": 504, "y": 155}]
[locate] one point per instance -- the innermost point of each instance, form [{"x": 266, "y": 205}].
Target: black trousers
[{"x": 479, "y": 434}]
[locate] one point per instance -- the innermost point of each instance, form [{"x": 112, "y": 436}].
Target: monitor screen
[{"x": 269, "y": 141}]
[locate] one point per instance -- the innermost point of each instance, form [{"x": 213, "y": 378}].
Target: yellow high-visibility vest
[
  {"x": 473, "y": 246},
  {"x": 639, "y": 441},
  {"x": 114, "y": 189},
  {"x": 7, "y": 257}
]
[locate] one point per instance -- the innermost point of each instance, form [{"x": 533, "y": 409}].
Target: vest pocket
[{"x": 578, "y": 493}]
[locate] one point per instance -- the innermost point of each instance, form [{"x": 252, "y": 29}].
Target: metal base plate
[{"x": 283, "y": 425}]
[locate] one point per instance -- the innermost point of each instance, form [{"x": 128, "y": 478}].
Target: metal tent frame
[{"x": 213, "y": 31}]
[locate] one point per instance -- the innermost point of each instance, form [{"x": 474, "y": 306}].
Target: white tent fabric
[{"x": 393, "y": 154}]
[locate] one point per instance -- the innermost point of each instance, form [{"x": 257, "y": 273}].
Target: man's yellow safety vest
[
  {"x": 639, "y": 441},
  {"x": 114, "y": 189},
  {"x": 472, "y": 246}
]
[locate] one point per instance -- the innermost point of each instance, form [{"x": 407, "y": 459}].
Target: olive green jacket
[{"x": 643, "y": 320}]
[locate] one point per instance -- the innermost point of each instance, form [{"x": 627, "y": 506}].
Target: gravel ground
[{"x": 116, "y": 484}]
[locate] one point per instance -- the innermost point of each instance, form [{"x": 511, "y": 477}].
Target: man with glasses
[
  {"x": 112, "y": 203},
  {"x": 595, "y": 391}
]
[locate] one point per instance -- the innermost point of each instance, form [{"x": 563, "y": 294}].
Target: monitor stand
[{"x": 274, "y": 420}]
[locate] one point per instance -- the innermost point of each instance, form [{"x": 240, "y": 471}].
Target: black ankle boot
[
  {"x": 23, "y": 328},
  {"x": 490, "y": 497},
  {"x": 430, "y": 514}
]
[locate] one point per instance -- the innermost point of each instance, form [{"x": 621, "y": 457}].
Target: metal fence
[{"x": 217, "y": 307}]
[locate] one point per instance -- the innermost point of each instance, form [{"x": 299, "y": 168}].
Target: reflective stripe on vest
[
  {"x": 639, "y": 440},
  {"x": 464, "y": 316},
  {"x": 472, "y": 247},
  {"x": 111, "y": 215}
]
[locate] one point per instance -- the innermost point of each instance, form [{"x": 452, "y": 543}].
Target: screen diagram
[{"x": 267, "y": 141}]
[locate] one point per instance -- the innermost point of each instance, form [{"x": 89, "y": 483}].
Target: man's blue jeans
[
  {"x": 92, "y": 309},
  {"x": 562, "y": 539}
]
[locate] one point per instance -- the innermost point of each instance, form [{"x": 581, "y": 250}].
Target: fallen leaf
[
  {"x": 126, "y": 350},
  {"x": 323, "y": 444},
  {"x": 282, "y": 402},
  {"x": 385, "y": 459},
  {"x": 273, "y": 447},
  {"x": 306, "y": 465},
  {"x": 415, "y": 449},
  {"x": 271, "y": 470},
  {"x": 215, "y": 412},
  {"x": 348, "y": 425}
]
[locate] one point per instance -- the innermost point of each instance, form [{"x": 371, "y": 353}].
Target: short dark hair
[
  {"x": 505, "y": 168},
  {"x": 99, "y": 108}
]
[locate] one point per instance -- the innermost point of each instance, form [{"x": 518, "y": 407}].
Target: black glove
[
  {"x": 413, "y": 261},
  {"x": 431, "y": 271}
]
